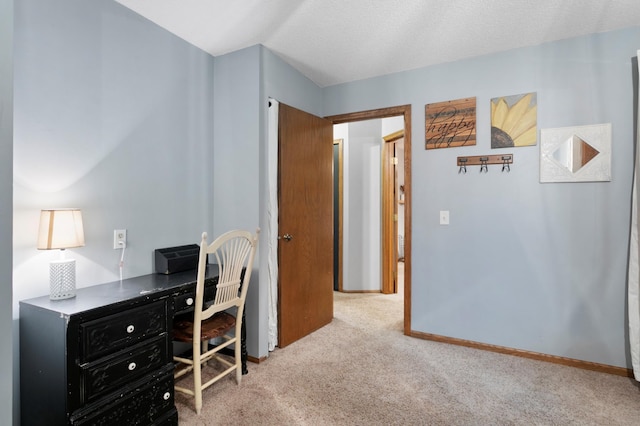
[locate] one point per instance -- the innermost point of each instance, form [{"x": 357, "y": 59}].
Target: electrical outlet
[
  {"x": 119, "y": 238},
  {"x": 444, "y": 217}
]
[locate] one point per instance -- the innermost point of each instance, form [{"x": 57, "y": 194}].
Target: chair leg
[
  {"x": 238, "y": 358},
  {"x": 197, "y": 380}
]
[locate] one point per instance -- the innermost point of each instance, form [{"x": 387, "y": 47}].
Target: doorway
[
  {"x": 405, "y": 112},
  {"x": 392, "y": 209}
]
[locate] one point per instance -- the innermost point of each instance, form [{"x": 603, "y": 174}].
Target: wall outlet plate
[
  {"x": 444, "y": 217},
  {"x": 119, "y": 238}
]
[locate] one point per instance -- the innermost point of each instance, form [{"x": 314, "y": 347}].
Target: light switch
[{"x": 444, "y": 217}]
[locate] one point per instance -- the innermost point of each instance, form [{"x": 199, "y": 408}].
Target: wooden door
[
  {"x": 389, "y": 219},
  {"x": 305, "y": 224}
]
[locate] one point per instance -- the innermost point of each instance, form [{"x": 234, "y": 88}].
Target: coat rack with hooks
[{"x": 484, "y": 160}]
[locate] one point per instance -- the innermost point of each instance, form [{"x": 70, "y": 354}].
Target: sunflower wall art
[{"x": 514, "y": 121}]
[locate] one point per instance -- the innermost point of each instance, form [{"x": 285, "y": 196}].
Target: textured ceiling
[{"x": 337, "y": 41}]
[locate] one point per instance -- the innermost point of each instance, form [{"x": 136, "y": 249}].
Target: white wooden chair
[{"x": 234, "y": 252}]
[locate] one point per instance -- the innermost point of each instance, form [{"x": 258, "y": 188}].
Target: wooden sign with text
[{"x": 450, "y": 124}]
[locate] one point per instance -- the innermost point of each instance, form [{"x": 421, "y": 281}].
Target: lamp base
[{"x": 62, "y": 279}]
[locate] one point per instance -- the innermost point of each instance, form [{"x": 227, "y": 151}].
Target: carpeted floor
[{"x": 361, "y": 370}]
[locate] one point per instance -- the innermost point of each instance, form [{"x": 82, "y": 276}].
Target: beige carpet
[{"x": 361, "y": 370}]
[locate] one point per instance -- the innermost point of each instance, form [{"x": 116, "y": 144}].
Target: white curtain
[
  {"x": 272, "y": 211},
  {"x": 634, "y": 263}
]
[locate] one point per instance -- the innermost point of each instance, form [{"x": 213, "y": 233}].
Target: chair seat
[{"x": 216, "y": 326}]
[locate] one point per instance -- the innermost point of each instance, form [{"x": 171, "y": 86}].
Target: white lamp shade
[{"x": 60, "y": 229}]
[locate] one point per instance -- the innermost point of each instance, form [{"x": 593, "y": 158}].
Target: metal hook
[
  {"x": 505, "y": 164},
  {"x": 483, "y": 164},
  {"x": 463, "y": 165}
]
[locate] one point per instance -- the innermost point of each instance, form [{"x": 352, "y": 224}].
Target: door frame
[
  {"x": 405, "y": 112},
  {"x": 339, "y": 172},
  {"x": 390, "y": 212}
]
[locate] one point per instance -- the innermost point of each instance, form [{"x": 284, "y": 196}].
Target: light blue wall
[
  {"x": 538, "y": 267},
  {"x": 113, "y": 115},
  {"x": 285, "y": 84},
  {"x": 236, "y": 152},
  {"x": 7, "y": 371},
  {"x": 236, "y": 165}
]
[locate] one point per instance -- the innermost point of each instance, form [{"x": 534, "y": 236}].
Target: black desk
[{"x": 106, "y": 355}]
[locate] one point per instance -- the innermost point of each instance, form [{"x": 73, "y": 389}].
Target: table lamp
[{"x": 61, "y": 229}]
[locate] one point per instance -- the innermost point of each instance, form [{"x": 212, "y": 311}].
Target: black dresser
[{"x": 105, "y": 356}]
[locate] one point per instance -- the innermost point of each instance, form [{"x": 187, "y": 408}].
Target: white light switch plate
[{"x": 444, "y": 217}]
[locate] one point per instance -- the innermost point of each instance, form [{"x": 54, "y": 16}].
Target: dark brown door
[{"x": 305, "y": 224}]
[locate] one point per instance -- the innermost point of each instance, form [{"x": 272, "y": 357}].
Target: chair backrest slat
[{"x": 234, "y": 252}]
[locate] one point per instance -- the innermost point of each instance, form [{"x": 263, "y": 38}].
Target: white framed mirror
[{"x": 576, "y": 154}]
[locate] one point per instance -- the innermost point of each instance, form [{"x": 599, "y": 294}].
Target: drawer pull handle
[
  {"x": 190, "y": 301},
  {"x": 132, "y": 366},
  {"x": 166, "y": 396},
  {"x": 130, "y": 329}
]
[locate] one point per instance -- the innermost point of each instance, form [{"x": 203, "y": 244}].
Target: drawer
[
  {"x": 111, "y": 333},
  {"x": 113, "y": 372},
  {"x": 148, "y": 404},
  {"x": 184, "y": 302}
]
